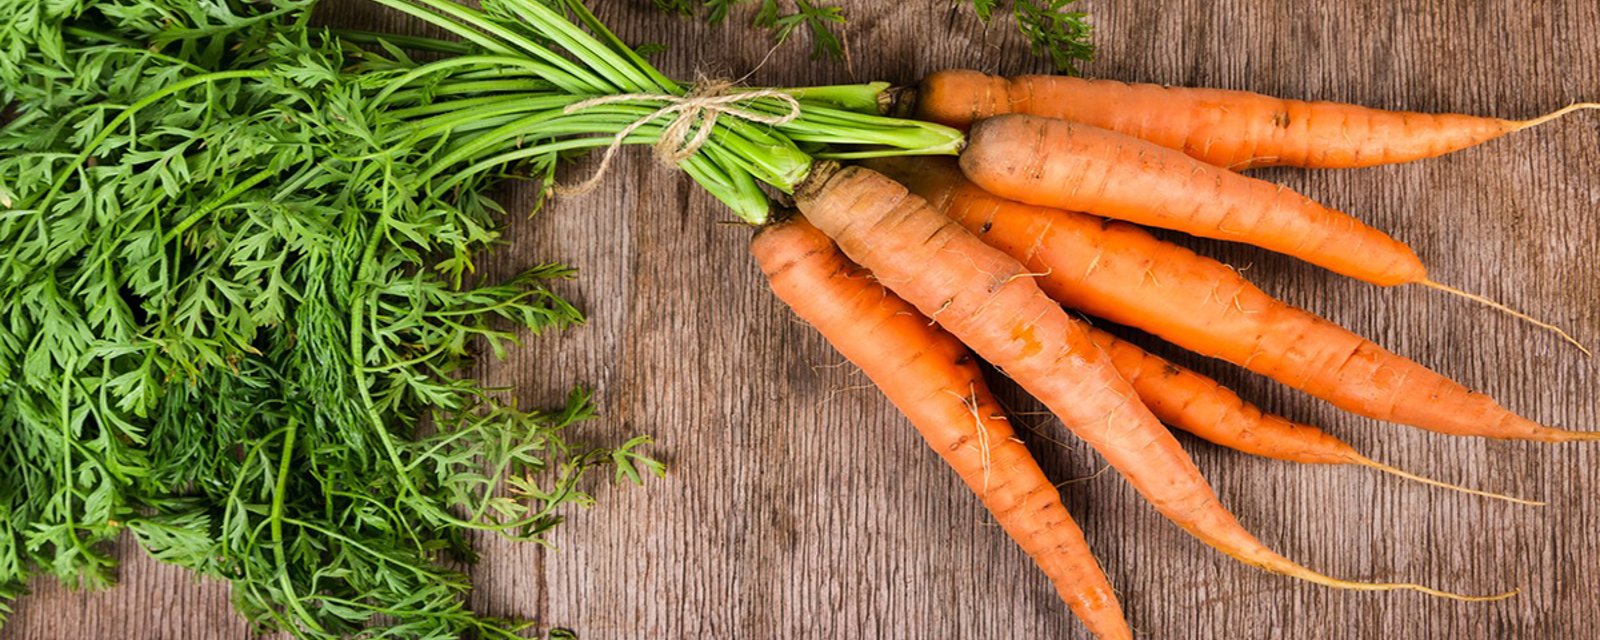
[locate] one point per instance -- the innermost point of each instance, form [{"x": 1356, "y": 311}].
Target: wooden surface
[{"x": 800, "y": 505}]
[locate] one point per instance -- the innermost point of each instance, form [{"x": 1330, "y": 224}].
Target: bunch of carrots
[
  {"x": 904, "y": 264},
  {"x": 913, "y": 266}
]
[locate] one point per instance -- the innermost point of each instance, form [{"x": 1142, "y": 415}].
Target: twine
[{"x": 681, "y": 139}]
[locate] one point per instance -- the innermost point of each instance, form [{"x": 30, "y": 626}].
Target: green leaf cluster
[
  {"x": 523, "y": 66},
  {"x": 1051, "y": 27},
  {"x": 239, "y": 308},
  {"x": 238, "y": 317}
]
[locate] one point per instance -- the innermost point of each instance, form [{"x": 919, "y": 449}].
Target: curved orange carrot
[
  {"x": 936, "y": 383},
  {"x": 1120, "y": 272},
  {"x": 1067, "y": 165},
  {"x": 1233, "y": 129},
  {"x": 989, "y": 302},
  {"x": 1199, "y": 405}
]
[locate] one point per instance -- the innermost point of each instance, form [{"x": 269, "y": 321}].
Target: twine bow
[{"x": 697, "y": 114}]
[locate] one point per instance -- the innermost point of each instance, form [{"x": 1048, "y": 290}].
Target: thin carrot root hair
[
  {"x": 1088, "y": 478},
  {"x": 970, "y": 401},
  {"x": 1554, "y": 115},
  {"x": 1379, "y": 466},
  {"x": 1407, "y": 586},
  {"x": 1297, "y": 571},
  {"x": 1431, "y": 284}
]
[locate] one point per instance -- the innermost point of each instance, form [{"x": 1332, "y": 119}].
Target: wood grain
[{"x": 801, "y": 505}]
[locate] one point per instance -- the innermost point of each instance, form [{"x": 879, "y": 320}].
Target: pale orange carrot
[
  {"x": 936, "y": 383},
  {"x": 1120, "y": 272},
  {"x": 991, "y": 303},
  {"x": 1066, "y": 165},
  {"x": 1233, "y": 129},
  {"x": 1199, "y": 405}
]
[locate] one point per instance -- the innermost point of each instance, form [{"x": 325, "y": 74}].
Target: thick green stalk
[{"x": 864, "y": 98}]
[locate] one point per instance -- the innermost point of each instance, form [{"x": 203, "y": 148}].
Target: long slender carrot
[
  {"x": 1067, "y": 165},
  {"x": 936, "y": 383},
  {"x": 1122, "y": 273},
  {"x": 1233, "y": 129},
  {"x": 1073, "y": 166},
  {"x": 1199, "y": 405},
  {"x": 988, "y": 301}
]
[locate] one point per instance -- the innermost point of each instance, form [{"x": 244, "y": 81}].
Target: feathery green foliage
[
  {"x": 237, "y": 317},
  {"x": 1051, "y": 27},
  {"x": 238, "y": 303}
]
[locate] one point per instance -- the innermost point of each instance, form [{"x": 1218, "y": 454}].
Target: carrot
[
  {"x": 987, "y": 300},
  {"x": 1066, "y": 165},
  {"x": 1122, "y": 273},
  {"x": 1199, "y": 405},
  {"x": 1233, "y": 129},
  {"x": 936, "y": 383}
]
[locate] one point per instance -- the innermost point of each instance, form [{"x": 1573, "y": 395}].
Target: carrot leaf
[
  {"x": 1051, "y": 28},
  {"x": 1065, "y": 36},
  {"x": 239, "y": 290}
]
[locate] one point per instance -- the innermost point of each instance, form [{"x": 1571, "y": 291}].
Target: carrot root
[
  {"x": 1293, "y": 570},
  {"x": 1437, "y": 593},
  {"x": 1519, "y": 125},
  {"x": 1379, "y": 466},
  {"x": 1508, "y": 311}
]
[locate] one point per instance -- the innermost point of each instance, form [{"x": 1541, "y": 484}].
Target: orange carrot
[
  {"x": 1066, "y": 165},
  {"x": 1120, "y": 272},
  {"x": 988, "y": 301},
  {"x": 1061, "y": 164},
  {"x": 936, "y": 383},
  {"x": 1233, "y": 129},
  {"x": 1199, "y": 405}
]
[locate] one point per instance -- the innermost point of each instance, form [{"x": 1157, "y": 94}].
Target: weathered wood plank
[{"x": 801, "y": 505}]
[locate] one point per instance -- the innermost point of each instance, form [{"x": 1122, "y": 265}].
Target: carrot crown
[{"x": 533, "y": 82}]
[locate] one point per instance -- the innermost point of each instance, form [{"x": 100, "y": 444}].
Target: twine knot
[{"x": 696, "y": 115}]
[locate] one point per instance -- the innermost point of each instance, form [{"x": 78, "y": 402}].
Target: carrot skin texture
[
  {"x": 1234, "y": 129},
  {"x": 937, "y": 384},
  {"x": 1122, "y": 273},
  {"x": 1199, "y": 405},
  {"x": 1066, "y": 165},
  {"x": 989, "y": 302}
]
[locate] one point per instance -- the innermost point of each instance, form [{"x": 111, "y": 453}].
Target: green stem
[
  {"x": 212, "y": 204},
  {"x": 619, "y": 70},
  {"x": 280, "y": 490},
  {"x": 415, "y": 43},
  {"x": 854, "y": 97},
  {"x": 563, "y": 79},
  {"x": 501, "y": 86},
  {"x": 457, "y": 18},
  {"x": 578, "y": 8}
]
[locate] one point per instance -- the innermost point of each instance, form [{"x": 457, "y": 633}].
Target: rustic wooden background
[{"x": 800, "y": 505}]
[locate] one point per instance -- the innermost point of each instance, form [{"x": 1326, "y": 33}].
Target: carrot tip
[
  {"x": 1510, "y": 312},
  {"x": 1555, "y": 115},
  {"x": 1379, "y": 466}
]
